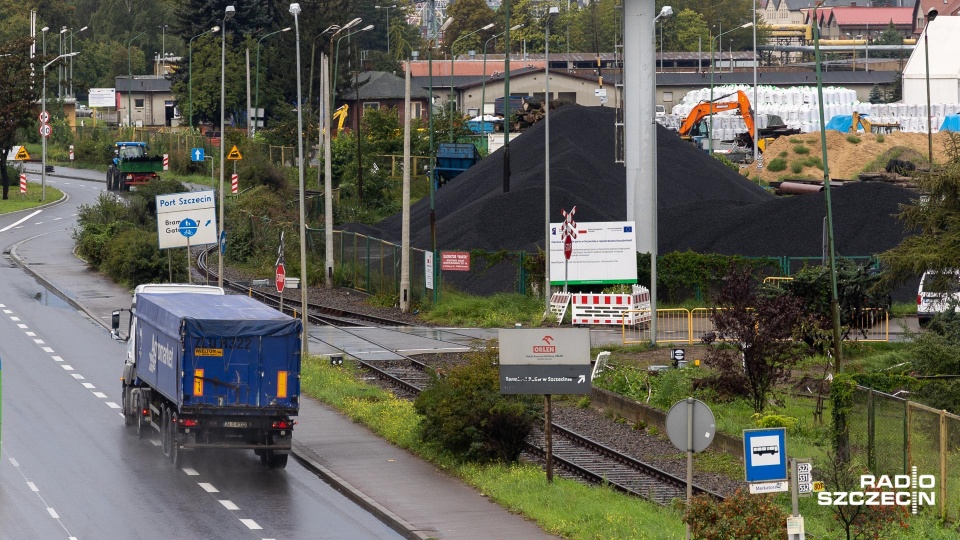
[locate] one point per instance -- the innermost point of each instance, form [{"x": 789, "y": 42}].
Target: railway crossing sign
[
  {"x": 281, "y": 277},
  {"x": 22, "y": 154},
  {"x": 765, "y": 455},
  {"x": 568, "y": 231}
]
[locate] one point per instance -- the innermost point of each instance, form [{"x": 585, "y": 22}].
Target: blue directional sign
[
  {"x": 223, "y": 242},
  {"x": 196, "y": 154},
  {"x": 188, "y": 227},
  {"x": 765, "y": 454}
]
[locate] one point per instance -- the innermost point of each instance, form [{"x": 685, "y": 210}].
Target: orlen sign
[
  {"x": 545, "y": 349},
  {"x": 542, "y": 347}
]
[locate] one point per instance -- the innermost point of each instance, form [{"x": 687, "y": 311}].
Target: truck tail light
[
  {"x": 189, "y": 422},
  {"x": 281, "y": 424},
  {"x": 145, "y": 412}
]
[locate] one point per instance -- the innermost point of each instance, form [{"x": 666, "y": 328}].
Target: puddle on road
[{"x": 47, "y": 298}]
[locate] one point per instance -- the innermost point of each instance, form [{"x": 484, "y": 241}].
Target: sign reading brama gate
[{"x": 545, "y": 361}]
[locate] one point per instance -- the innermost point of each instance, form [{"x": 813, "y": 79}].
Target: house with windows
[
  {"x": 145, "y": 101},
  {"x": 379, "y": 90}
]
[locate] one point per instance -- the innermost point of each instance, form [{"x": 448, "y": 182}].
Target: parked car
[{"x": 939, "y": 292}]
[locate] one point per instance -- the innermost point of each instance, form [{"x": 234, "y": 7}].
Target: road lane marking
[
  {"x": 229, "y": 505},
  {"x": 208, "y": 487},
  {"x": 53, "y": 513},
  {"x": 67, "y": 367},
  {"x": 113, "y": 405},
  {"x": 33, "y": 487},
  {"x": 190, "y": 472},
  {"x": 12, "y": 225},
  {"x": 100, "y": 395},
  {"x": 88, "y": 386},
  {"x": 251, "y": 524}
]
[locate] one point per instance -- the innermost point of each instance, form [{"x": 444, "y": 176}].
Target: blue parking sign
[
  {"x": 196, "y": 154},
  {"x": 765, "y": 454}
]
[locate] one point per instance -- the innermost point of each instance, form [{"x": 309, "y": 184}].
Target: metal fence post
[
  {"x": 943, "y": 464},
  {"x": 871, "y": 432},
  {"x": 907, "y": 456}
]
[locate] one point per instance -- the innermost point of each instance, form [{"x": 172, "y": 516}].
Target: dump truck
[
  {"x": 132, "y": 166},
  {"x": 209, "y": 370}
]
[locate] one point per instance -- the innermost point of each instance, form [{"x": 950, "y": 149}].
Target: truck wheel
[
  {"x": 141, "y": 424},
  {"x": 174, "y": 443},
  {"x": 127, "y": 409},
  {"x": 273, "y": 460},
  {"x": 165, "y": 432}
]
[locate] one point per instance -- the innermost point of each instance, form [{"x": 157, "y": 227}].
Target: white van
[{"x": 939, "y": 291}]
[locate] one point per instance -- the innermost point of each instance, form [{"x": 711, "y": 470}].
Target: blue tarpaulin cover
[
  {"x": 951, "y": 122},
  {"x": 841, "y": 123}
]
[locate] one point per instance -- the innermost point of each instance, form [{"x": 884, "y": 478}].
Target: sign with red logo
[
  {"x": 545, "y": 361},
  {"x": 281, "y": 277},
  {"x": 458, "y": 261}
]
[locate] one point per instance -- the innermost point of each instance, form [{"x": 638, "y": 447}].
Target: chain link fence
[{"x": 895, "y": 434}]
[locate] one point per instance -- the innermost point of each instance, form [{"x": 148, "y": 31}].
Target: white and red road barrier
[
  {"x": 234, "y": 183},
  {"x": 23, "y": 184},
  {"x": 611, "y": 309}
]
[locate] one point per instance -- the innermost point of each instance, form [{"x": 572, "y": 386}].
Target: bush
[
  {"x": 796, "y": 167},
  {"x": 853, "y": 139},
  {"x": 465, "y": 414},
  {"x": 880, "y": 138},
  {"x": 743, "y": 515},
  {"x": 801, "y": 149},
  {"x": 777, "y": 165}
]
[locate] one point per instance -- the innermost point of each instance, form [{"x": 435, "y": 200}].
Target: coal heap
[{"x": 702, "y": 205}]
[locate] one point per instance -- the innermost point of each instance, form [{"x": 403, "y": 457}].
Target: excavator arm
[{"x": 703, "y": 110}]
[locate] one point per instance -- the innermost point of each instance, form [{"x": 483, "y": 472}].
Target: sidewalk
[{"x": 405, "y": 492}]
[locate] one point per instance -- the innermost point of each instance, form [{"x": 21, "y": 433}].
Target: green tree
[
  {"x": 18, "y": 98},
  {"x": 469, "y": 16},
  {"x": 686, "y": 31},
  {"x": 935, "y": 218}
]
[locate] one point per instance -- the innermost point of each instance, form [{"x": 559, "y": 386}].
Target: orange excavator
[{"x": 696, "y": 125}]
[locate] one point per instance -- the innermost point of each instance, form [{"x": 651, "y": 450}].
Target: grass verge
[
  {"x": 497, "y": 311},
  {"x": 31, "y": 199},
  {"x": 565, "y": 508}
]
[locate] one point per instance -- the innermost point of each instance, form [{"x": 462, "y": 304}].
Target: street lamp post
[
  {"x": 431, "y": 44},
  {"x": 546, "y": 155},
  {"x": 754, "y": 104},
  {"x": 256, "y": 93},
  {"x": 313, "y": 55},
  {"x": 453, "y": 95},
  {"x": 295, "y": 10},
  {"x": 712, "y": 65},
  {"x": 60, "y": 73},
  {"x": 387, "y": 8},
  {"x": 931, "y": 15},
  {"x": 163, "y": 41},
  {"x": 665, "y": 11},
  {"x": 43, "y": 137},
  {"x": 130, "y": 80},
  {"x": 213, "y": 30},
  {"x": 228, "y": 13},
  {"x": 483, "y": 90},
  {"x": 71, "y": 58},
  {"x": 337, "y": 55}
]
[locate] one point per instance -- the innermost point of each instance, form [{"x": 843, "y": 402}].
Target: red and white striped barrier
[
  {"x": 234, "y": 183},
  {"x": 71, "y": 152},
  {"x": 558, "y": 305},
  {"x": 23, "y": 184},
  {"x": 612, "y": 309},
  {"x": 166, "y": 162}
]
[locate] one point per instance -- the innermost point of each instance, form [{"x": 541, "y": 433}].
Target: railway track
[{"x": 573, "y": 453}]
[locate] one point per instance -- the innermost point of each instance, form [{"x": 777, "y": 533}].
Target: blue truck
[{"x": 208, "y": 370}]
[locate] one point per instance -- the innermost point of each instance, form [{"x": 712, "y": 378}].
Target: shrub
[
  {"x": 777, "y": 165},
  {"x": 796, "y": 167},
  {"x": 774, "y": 420},
  {"x": 743, "y": 515},
  {"x": 801, "y": 149},
  {"x": 465, "y": 414},
  {"x": 783, "y": 154},
  {"x": 880, "y": 138},
  {"x": 853, "y": 139}
]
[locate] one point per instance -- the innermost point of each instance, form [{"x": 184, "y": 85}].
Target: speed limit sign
[
  {"x": 45, "y": 130},
  {"x": 44, "y": 117}
]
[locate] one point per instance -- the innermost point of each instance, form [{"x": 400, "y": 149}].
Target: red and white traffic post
[
  {"x": 234, "y": 183},
  {"x": 23, "y": 184}
]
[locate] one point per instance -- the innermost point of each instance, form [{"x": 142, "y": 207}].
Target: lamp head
[
  {"x": 446, "y": 24},
  {"x": 554, "y": 10},
  {"x": 747, "y": 25},
  {"x": 352, "y": 23},
  {"x": 231, "y": 11},
  {"x": 84, "y": 28},
  {"x": 516, "y": 27},
  {"x": 489, "y": 26},
  {"x": 287, "y": 29},
  {"x": 366, "y": 28},
  {"x": 63, "y": 30},
  {"x": 666, "y": 11},
  {"x": 294, "y": 9},
  {"x": 932, "y": 14},
  {"x": 45, "y": 28},
  {"x": 215, "y": 29}
]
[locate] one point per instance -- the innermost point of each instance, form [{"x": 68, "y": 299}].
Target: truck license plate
[{"x": 235, "y": 424}]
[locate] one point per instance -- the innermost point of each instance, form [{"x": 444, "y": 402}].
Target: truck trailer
[{"x": 208, "y": 370}]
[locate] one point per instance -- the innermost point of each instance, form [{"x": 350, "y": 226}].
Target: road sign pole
[
  {"x": 689, "y": 457},
  {"x": 189, "y": 276},
  {"x": 548, "y": 435}
]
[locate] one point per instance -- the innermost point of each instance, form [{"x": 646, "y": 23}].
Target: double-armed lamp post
[{"x": 453, "y": 94}]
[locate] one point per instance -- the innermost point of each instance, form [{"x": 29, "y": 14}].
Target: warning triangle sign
[
  {"x": 22, "y": 154},
  {"x": 234, "y": 154}
]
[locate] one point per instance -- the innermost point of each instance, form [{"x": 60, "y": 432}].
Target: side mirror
[{"x": 115, "y": 320}]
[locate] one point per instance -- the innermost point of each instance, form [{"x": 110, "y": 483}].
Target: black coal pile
[{"x": 703, "y": 205}]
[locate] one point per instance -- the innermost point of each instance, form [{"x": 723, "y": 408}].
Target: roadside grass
[
  {"x": 500, "y": 310},
  {"x": 16, "y": 202},
  {"x": 563, "y": 507}
]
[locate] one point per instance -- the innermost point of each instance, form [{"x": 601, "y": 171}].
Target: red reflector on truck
[
  {"x": 189, "y": 422},
  {"x": 281, "y": 424}
]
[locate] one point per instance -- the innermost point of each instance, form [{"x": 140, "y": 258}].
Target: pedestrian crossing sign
[
  {"x": 234, "y": 154},
  {"x": 22, "y": 154}
]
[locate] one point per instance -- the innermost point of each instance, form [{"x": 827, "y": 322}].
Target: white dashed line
[
  {"x": 190, "y": 472},
  {"x": 229, "y": 505},
  {"x": 31, "y": 334},
  {"x": 67, "y": 367},
  {"x": 208, "y": 487},
  {"x": 8, "y": 311},
  {"x": 100, "y": 395},
  {"x": 251, "y": 524},
  {"x": 57, "y": 358},
  {"x": 77, "y": 376},
  {"x": 88, "y": 386},
  {"x": 39, "y": 341},
  {"x": 14, "y": 462},
  {"x": 14, "y": 319},
  {"x": 53, "y": 513},
  {"x": 33, "y": 487},
  {"x": 23, "y": 327},
  {"x": 113, "y": 405}
]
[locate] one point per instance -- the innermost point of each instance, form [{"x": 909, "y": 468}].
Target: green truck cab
[{"x": 132, "y": 166}]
